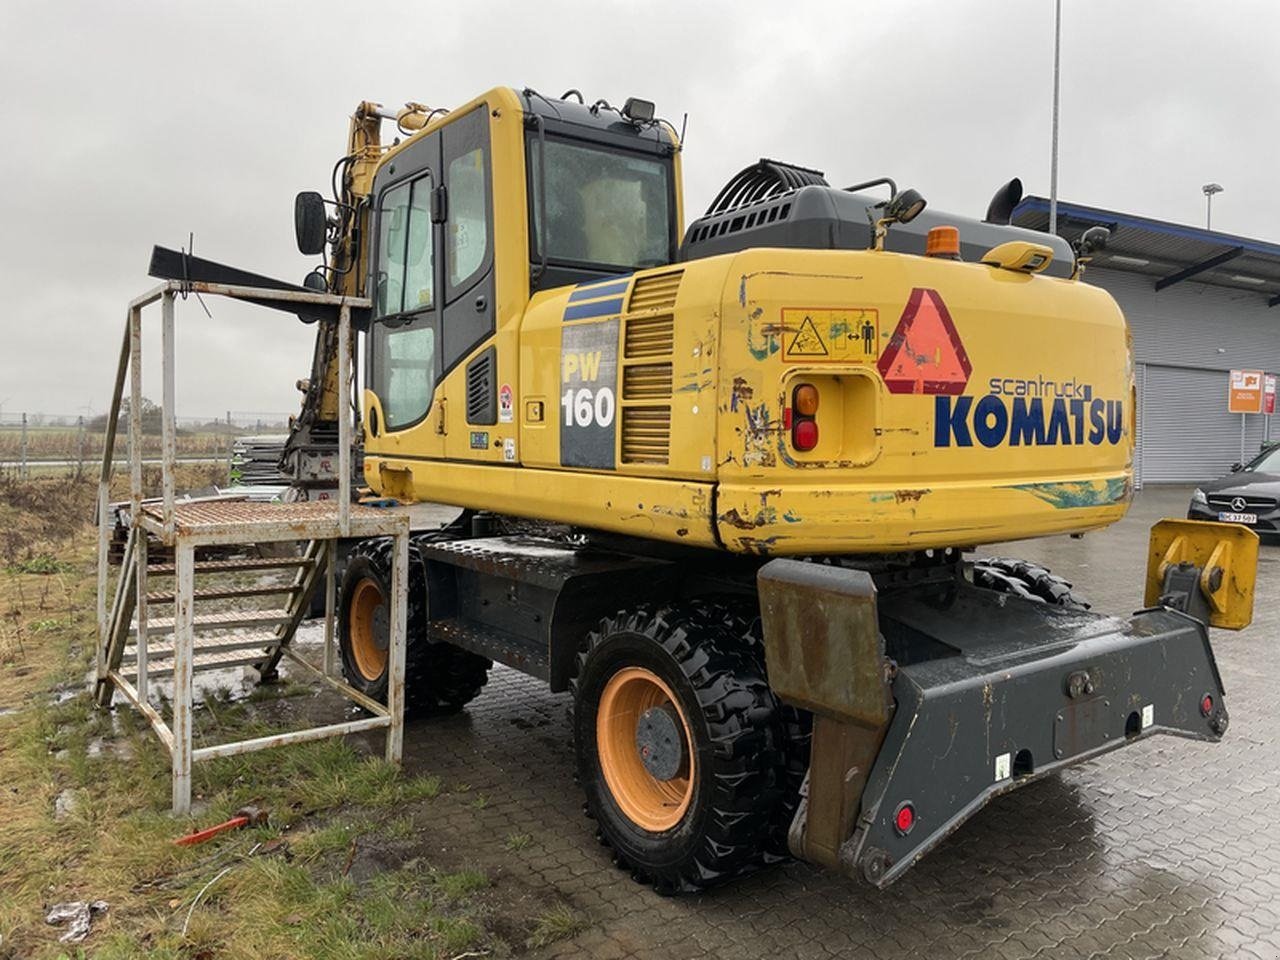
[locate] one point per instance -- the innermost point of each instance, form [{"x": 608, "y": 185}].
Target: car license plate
[{"x": 1238, "y": 517}]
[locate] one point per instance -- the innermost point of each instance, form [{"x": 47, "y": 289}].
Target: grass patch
[
  {"x": 42, "y": 565},
  {"x": 287, "y": 890},
  {"x": 457, "y": 885},
  {"x": 517, "y": 841},
  {"x": 561, "y": 922}
]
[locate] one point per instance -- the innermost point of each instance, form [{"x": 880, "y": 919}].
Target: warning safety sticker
[{"x": 846, "y": 335}]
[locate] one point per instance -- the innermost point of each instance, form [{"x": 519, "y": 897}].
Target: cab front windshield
[{"x": 604, "y": 208}]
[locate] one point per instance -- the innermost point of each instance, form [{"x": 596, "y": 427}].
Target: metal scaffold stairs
[
  {"x": 235, "y": 629},
  {"x": 223, "y": 584}
]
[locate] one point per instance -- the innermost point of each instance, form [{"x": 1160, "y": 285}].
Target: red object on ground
[{"x": 243, "y": 818}]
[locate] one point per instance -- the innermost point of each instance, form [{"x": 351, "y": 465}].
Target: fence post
[
  {"x": 23, "y": 470},
  {"x": 80, "y": 442}
]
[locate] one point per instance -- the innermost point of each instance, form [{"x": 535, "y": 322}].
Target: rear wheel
[
  {"x": 742, "y": 617},
  {"x": 438, "y": 677},
  {"x": 1027, "y": 580},
  {"x": 677, "y": 747}
]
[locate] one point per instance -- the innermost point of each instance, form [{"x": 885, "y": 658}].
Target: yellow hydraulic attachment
[{"x": 1227, "y": 557}]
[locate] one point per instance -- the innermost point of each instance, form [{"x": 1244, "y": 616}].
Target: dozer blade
[{"x": 990, "y": 692}]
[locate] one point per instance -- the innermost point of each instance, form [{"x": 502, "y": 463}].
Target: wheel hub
[
  {"x": 643, "y": 739},
  {"x": 370, "y": 629},
  {"x": 659, "y": 742}
]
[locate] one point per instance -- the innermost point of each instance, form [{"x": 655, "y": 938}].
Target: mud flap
[{"x": 1032, "y": 689}]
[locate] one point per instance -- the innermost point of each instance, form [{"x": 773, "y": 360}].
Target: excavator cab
[{"x": 471, "y": 217}]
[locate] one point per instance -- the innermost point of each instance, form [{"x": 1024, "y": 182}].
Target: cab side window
[
  {"x": 405, "y": 280},
  {"x": 467, "y": 229},
  {"x": 402, "y": 341}
]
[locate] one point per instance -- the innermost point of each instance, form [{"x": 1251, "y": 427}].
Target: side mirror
[
  {"x": 309, "y": 222},
  {"x": 1237, "y": 467}
]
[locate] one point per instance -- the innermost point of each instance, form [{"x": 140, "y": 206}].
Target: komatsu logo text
[{"x": 1024, "y": 413}]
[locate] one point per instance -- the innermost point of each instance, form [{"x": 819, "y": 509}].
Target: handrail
[{"x": 104, "y": 489}]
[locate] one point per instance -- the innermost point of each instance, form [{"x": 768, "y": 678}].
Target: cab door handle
[{"x": 442, "y": 427}]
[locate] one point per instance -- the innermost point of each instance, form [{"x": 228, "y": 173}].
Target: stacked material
[{"x": 255, "y": 461}]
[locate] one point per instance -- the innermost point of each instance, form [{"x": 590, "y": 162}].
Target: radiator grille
[
  {"x": 646, "y": 381},
  {"x": 656, "y": 292},
  {"x": 649, "y": 337},
  {"x": 646, "y": 434}
]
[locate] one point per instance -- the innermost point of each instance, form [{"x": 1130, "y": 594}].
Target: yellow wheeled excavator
[{"x": 721, "y": 482}]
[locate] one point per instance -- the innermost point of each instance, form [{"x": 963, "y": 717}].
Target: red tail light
[
  {"x": 904, "y": 818},
  {"x": 804, "y": 435}
]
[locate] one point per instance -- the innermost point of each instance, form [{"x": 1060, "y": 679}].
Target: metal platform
[{"x": 135, "y": 648}]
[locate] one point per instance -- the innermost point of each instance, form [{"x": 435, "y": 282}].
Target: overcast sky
[{"x": 134, "y": 123}]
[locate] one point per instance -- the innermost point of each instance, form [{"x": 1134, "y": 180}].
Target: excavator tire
[
  {"x": 1026, "y": 580},
  {"x": 677, "y": 741},
  {"x": 742, "y": 616},
  {"x": 439, "y": 678}
]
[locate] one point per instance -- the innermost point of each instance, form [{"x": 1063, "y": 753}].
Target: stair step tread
[
  {"x": 220, "y": 620},
  {"x": 229, "y": 593},
  {"x": 258, "y": 643},
  {"x": 229, "y": 566}
]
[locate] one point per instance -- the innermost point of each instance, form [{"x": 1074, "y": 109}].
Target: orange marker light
[
  {"x": 943, "y": 242},
  {"x": 805, "y": 400}
]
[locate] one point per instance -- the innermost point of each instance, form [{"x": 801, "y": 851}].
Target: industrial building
[{"x": 1199, "y": 303}]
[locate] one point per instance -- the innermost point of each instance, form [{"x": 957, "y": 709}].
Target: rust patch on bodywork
[
  {"x": 762, "y": 546},
  {"x": 909, "y": 496},
  {"x": 734, "y": 519},
  {"x": 741, "y": 393}
]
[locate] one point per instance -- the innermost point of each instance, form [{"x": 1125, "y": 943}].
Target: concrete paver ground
[{"x": 1167, "y": 849}]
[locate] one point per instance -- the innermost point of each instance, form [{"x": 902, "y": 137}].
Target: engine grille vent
[
  {"x": 646, "y": 434},
  {"x": 649, "y": 337},
  {"x": 482, "y": 398},
  {"x": 655, "y": 292},
  {"x": 646, "y": 381}
]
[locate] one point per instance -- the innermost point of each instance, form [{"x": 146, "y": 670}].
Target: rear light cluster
[{"x": 804, "y": 410}]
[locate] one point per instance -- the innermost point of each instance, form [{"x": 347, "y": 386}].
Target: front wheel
[
  {"x": 678, "y": 750},
  {"x": 438, "y": 677}
]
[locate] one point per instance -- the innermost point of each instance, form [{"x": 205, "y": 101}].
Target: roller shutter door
[{"x": 1185, "y": 432}]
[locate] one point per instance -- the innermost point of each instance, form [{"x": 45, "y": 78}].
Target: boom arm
[{"x": 313, "y": 432}]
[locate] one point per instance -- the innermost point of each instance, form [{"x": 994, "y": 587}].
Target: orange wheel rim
[
  {"x": 649, "y": 802},
  {"x": 371, "y": 660}
]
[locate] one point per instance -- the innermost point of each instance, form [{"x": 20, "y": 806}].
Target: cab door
[
  {"x": 404, "y": 349},
  {"x": 480, "y": 414}
]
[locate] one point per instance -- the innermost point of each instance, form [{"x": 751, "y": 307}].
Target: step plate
[{"x": 541, "y": 562}]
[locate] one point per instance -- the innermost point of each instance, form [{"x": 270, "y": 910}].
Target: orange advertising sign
[{"x": 1245, "y": 393}]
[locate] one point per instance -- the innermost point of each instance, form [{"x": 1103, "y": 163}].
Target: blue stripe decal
[
  {"x": 601, "y": 308},
  {"x": 588, "y": 293}
]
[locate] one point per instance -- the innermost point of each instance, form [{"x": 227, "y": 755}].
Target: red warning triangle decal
[{"x": 925, "y": 354}]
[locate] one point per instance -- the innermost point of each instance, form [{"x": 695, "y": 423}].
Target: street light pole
[
  {"x": 1209, "y": 190},
  {"x": 1053, "y": 161}
]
